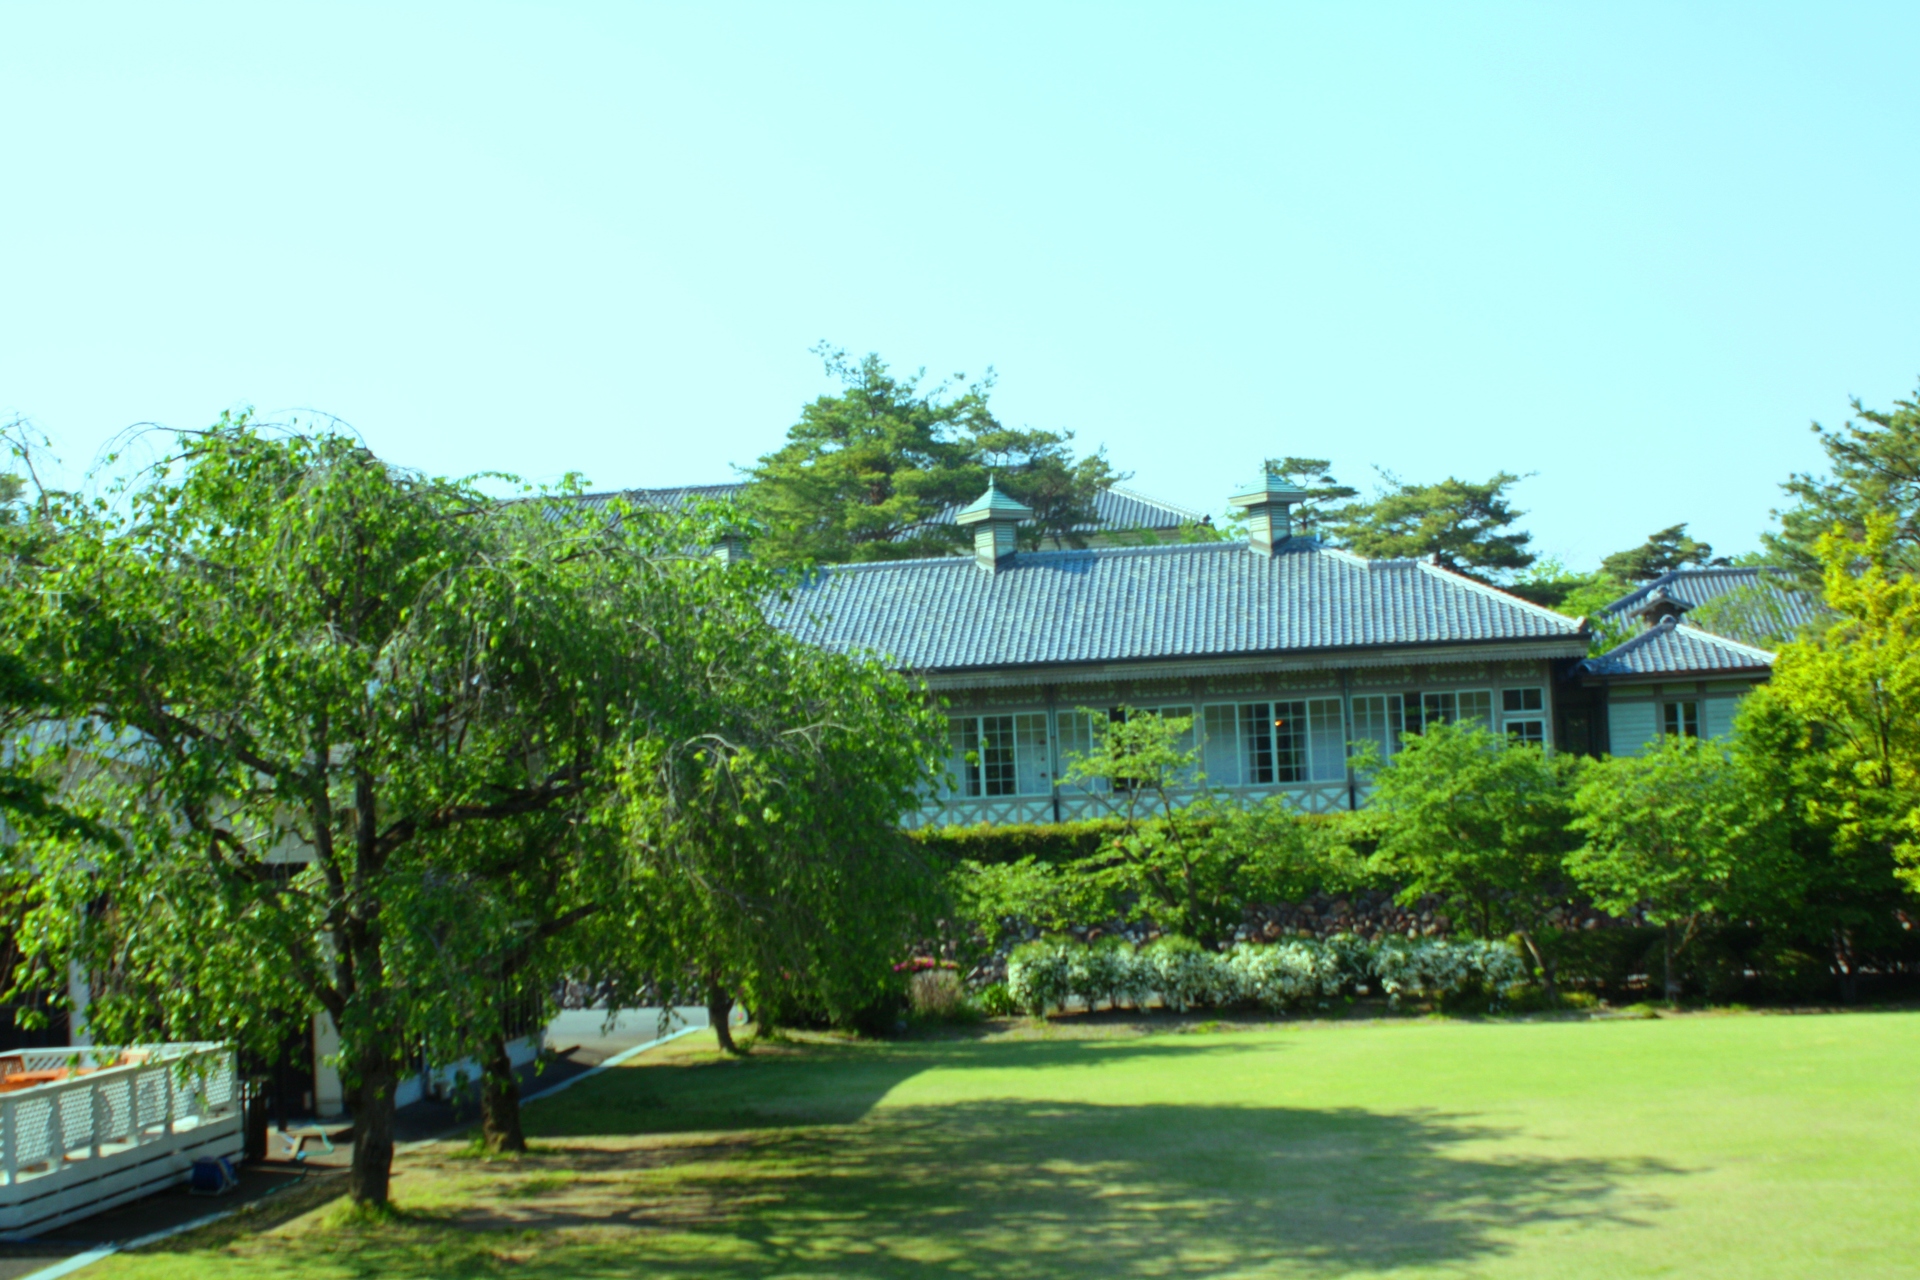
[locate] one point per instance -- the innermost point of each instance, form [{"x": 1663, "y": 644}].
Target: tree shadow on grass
[
  {"x": 820, "y": 1084},
  {"x": 799, "y": 1173},
  {"x": 1025, "y": 1189}
]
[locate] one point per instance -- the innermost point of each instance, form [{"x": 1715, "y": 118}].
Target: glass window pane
[
  {"x": 1683, "y": 719},
  {"x": 1476, "y": 705},
  {"x": 1076, "y": 739},
  {"x": 1376, "y": 719},
  {"x": 996, "y": 755},
  {"x": 1329, "y": 740},
  {"x": 1523, "y": 700},
  {"x": 1220, "y": 749},
  {"x": 964, "y": 762},
  {"x": 1531, "y": 731},
  {"x": 1290, "y": 741},
  {"x": 1033, "y": 767},
  {"x": 1184, "y": 742},
  {"x": 1424, "y": 709},
  {"x": 1256, "y": 738}
]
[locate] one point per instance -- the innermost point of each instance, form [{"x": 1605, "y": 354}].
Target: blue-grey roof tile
[
  {"x": 1760, "y": 603},
  {"x": 1138, "y": 603},
  {"x": 1675, "y": 649},
  {"x": 1116, "y": 508}
]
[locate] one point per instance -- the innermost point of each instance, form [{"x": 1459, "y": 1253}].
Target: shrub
[
  {"x": 1281, "y": 976},
  {"x": 1039, "y": 974},
  {"x": 936, "y": 994},
  {"x": 1108, "y": 970},
  {"x": 996, "y": 1001},
  {"x": 1047, "y": 842},
  {"x": 1187, "y": 975},
  {"x": 1435, "y": 969}
]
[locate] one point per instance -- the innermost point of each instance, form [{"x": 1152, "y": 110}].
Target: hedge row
[
  {"x": 1043, "y": 975},
  {"x": 1055, "y": 842}
]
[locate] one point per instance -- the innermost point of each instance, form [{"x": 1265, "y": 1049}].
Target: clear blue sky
[{"x": 1633, "y": 249}]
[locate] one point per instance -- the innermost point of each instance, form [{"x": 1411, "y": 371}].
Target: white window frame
[
  {"x": 967, "y": 735},
  {"x": 1530, "y": 721},
  {"x": 1675, "y": 709}
]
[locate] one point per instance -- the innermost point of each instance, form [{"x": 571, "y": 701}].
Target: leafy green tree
[
  {"x": 1663, "y": 833},
  {"x": 772, "y": 866},
  {"x": 866, "y": 474},
  {"x": 1856, "y": 687},
  {"x": 1548, "y": 582},
  {"x": 1833, "y": 891},
  {"x": 297, "y": 674},
  {"x": 1466, "y": 526},
  {"x": 1662, "y": 552},
  {"x": 1480, "y": 822},
  {"x": 1191, "y": 860},
  {"x": 1873, "y": 463}
]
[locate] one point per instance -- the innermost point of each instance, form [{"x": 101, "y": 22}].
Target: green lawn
[{"x": 1723, "y": 1145}]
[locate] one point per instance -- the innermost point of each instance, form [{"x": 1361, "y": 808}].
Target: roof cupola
[
  {"x": 1657, "y": 606},
  {"x": 1268, "y": 503},
  {"x": 995, "y": 519}
]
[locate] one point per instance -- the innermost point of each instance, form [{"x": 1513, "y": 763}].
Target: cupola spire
[
  {"x": 995, "y": 519},
  {"x": 1268, "y": 503}
]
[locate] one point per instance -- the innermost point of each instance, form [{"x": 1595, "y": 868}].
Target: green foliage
[
  {"x": 1753, "y": 615},
  {"x": 376, "y": 745},
  {"x": 864, "y": 473},
  {"x": 1873, "y": 470},
  {"x": 1857, "y": 688},
  {"x": 1191, "y": 863},
  {"x": 1661, "y": 831},
  {"x": 1478, "y": 821},
  {"x": 1467, "y": 526},
  {"x": 1675, "y": 835},
  {"x": 984, "y": 842},
  {"x": 1043, "y": 975},
  {"x": 333, "y": 711},
  {"x": 766, "y": 829},
  {"x": 1662, "y": 552}
]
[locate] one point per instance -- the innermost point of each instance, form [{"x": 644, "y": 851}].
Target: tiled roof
[
  {"x": 1675, "y": 649},
  {"x": 1136, "y": 603},
  {"x": 1763, "y": 601},
  {"x": 1117, "y": 507}
]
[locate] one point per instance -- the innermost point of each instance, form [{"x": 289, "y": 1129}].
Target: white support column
[{"x": 329, "y": 1096}]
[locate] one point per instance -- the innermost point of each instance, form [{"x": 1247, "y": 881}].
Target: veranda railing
[{"x": 58, "y": 1106}]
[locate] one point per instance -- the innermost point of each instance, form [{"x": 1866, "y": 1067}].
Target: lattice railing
[{"x": 58, "y": 1105}]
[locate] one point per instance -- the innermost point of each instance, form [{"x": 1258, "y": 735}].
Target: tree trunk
[
  {"x": 1671, "y": 978},
  {"x": 1843, "y": 966},
  {"x": 1549, "y": 988},
  {"x": 372, "y": 1171},
  {"x": 719, "y": 1011},
  {"x": 500, "y": 1100}
]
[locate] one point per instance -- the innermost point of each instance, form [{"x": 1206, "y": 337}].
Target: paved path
[{"x": 579, "y": 1040}]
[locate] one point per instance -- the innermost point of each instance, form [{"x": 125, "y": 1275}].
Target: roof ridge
[
  {"x": 1726, "y": 641},
  {"x": 1162, "y": 548},
  {"x": 1487, "y": 588},
  {"x": 1152, "y": 501}
]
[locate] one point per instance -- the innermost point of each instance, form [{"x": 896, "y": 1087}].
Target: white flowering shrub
[
  {"x": 1281, "y": 976},
  {"x": 1108, "y": 971},
  {"x": 1284, "y": 975},
  {"x": 1039, "y": 974},
  {"x": 1501, "y": 967},
  {"x": 1188, "y": 976},
  {"x": 1435, "y": 969}
]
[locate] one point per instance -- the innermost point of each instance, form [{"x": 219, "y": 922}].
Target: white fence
[{"x": 86, "y": 1128}]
